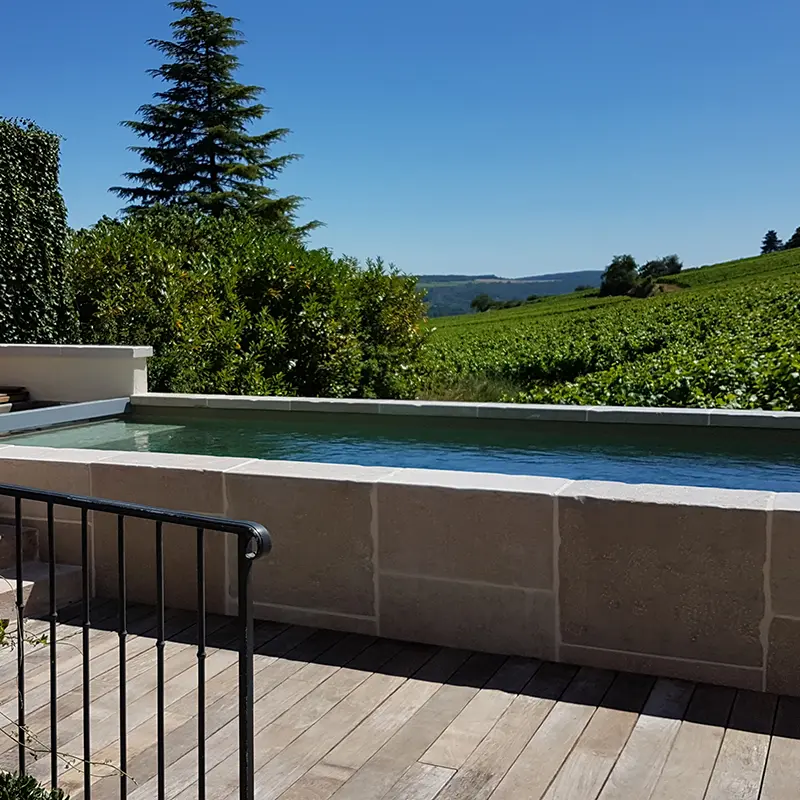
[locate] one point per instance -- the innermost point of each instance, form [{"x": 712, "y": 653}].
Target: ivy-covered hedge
[
  {"x": 34, "y": 307},
  {"x": 230, "y": 308}
]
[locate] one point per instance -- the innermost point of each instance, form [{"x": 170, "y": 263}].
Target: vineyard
[{"x": 728, "y": 335}]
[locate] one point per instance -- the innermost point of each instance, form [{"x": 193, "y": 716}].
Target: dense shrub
[
  {"x": 17, "y": 787},
  {"x": 231, "y": 309},
  {"x": 620, "y": 276},
  {"x": 33, "y": 228}
]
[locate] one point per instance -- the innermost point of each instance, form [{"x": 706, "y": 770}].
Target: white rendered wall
[{"x": 75, "y": 373}]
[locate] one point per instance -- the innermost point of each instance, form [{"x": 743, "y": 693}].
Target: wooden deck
[{"x": 357, "y": 718}]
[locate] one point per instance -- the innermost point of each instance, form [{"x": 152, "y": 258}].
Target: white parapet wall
[{"x": 75, "y": 373}]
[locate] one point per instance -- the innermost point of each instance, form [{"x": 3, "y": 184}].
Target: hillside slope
[{"x": 728, "y": 337}]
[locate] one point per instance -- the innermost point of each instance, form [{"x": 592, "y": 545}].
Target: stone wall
[{"x": 687, "y": 582}]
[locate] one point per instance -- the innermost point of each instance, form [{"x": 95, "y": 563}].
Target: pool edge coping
[{"x": 691, "y": 417}]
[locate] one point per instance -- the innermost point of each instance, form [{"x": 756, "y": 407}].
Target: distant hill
[{"x": 452, "y": 294}]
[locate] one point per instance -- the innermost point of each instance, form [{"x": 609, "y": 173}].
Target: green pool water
[{"x": 717, "y": 457}]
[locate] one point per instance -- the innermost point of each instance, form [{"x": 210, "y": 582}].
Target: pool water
[{"x": 717, "y": 457}]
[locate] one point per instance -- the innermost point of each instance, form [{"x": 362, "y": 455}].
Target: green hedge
[
  {"x": 34, "y": 307},
  {"x": 17, "y": 787},
  {"x": 232, "y": 309}
]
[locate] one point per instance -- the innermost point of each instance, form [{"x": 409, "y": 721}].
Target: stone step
[
  {"x": 14, "y": 394},
  {"x": 8, "y": 543},
  {"x": 36, "y": 588}
]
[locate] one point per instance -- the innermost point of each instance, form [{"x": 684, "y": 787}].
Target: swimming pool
[{"x": 724, "y": 458}]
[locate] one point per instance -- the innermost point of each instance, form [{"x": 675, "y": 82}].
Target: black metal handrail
[{"x": 253, "y": 541}]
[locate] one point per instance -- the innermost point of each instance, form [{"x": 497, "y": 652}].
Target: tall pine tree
[
  {"x": 200, "y": 153},
  {"x": 794, "y": 241},
  {"x": 771, "y": 243}
]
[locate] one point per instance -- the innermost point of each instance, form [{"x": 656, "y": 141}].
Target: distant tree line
[
  {"x": 624, "y": 276},
  {"x": 771, "y": 243},
  {"x": 484, "y": 302}
]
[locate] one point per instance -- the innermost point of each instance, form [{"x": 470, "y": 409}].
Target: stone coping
[
  {"x": 694, "y": 417},
  {"x": 656, "y": 494},
  {"x": 75, "y": 351}
]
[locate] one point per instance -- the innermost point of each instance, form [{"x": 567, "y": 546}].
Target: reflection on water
[{"x": 730, "y": 458}]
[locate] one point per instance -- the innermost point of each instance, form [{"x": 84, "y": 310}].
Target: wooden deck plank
[
  {"x": 687, "y": 770},
  {"x": 36, "y": 657},
  {"x": 141, "y": 693},
  {"x": 742, "y": 758},
  {"x": 470, "y": 727},
  {"x": 319, "y": 783},
  {"x": 489, "y": 762},
  {"x": 291, "y": 681},
  {"x": 420, "y": 782},
  {"x": 351, "y": 717},
  {"x": 293, "y": 645},
  {"x": 782, "y": 773},
  {"x": 588, "y": 766},
  {"x": 301, "y": 755},
  {"x": 363, "y": 742},
  {"x": 71, "y": 713},
  {"x": 542, "y": 758},
  {"x": 640, "y": 763},
  {"x": 103, "y": 657},
  {"x": 276, "y": 736},
  {"x": 382, "y": 770},
  {"x": 180, "y": 689},
  {"x": 69, "y": 655}
]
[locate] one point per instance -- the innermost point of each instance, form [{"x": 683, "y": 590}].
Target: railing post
[{"x": 246, "y": 745}]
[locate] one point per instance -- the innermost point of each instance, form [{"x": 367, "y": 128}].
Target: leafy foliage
[
  {"x": 660, "y": 267},
  {"x": 233, "y": 309},
  {"x": 620, "y": 276},
  {"x": 34, "y": 306},
  {"x": 201, "y": 154},
  {"x": 794, "y": 241},
  {"x": 771, "y": 243},
  {"x": 481, "y": 303},
  {"x": 18, "y": 787},
  {"x": 722, "y": 344}
]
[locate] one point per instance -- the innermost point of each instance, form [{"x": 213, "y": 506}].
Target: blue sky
[{"x": 516, "y": 137}]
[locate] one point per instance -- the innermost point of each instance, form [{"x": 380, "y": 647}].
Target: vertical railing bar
[
  {"x": 160, "y": 659},
  {"x": 123, "y": 637},
  {"x": 87, "y": 730},
  {"x": 51, "y": 561},
  {"x": 246, "y": 745},
  {"x": 20, "y": 603},
  {"x": 201, "y": 665}
]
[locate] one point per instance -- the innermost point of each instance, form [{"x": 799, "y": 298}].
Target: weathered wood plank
[
  {"x": 489, "y": 762},
  {"x": 180, "y": 693},
  {"x": 383, "y": 769},
  {"x": 742, "y": 757},
  {"x": 420, "y": 782},
  {"x": 688, "y": 768},
  {"x": 639, "y": 765},
  {"x": 291, "y": 647},
  {"x": 275, "y": 737},
  {"x": 363, "y": 742},
  {"x": 543, "y": 756},
  {"x": 588, "y": 766},
  {"x": 292, "y": 680},
  {"x": 290, "y": 765},
  {"x": 782, "y": 774},
  {"x": 140, "y": 686},
  {"x": 319, "y": 783},
  {"x": 470, "y": 727}
]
